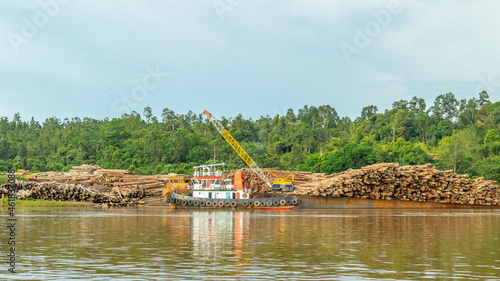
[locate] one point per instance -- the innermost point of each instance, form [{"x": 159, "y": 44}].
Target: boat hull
[
  {"x": 185, "y": 201},
  {"x": 279, "y": 208}
]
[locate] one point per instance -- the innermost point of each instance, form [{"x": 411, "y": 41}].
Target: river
[{"x": 164, "y": 244}]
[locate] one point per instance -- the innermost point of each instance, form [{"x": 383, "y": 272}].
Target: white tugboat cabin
[{"x": 208, "y": 182}]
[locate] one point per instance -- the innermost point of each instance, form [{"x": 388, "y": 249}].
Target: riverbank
[
  {"x": 422, "y": 184},
  {"x": 44, "y": 203}
]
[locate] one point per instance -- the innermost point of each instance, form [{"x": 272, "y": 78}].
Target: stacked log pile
[
  {"x": 93, "y": 184},
  {"x": 94, "y": 175},
  {"x": 390, "y": 181},
  {"x": 52, "y": 191},
  {"x": 258, "y": 185}
]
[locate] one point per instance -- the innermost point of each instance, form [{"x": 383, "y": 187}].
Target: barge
[{"x": 319, "y": 202}]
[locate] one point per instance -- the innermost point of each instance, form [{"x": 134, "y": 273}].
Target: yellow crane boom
[{"x": 237, "y": 147}]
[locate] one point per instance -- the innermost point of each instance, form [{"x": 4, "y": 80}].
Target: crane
[{"x": 278, "y": 184}]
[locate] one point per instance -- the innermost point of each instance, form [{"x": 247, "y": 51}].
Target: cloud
[{"x": 262, "y": 57}]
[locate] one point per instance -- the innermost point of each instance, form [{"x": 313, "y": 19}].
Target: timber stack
[
  {"x": 90, "y": 175},
  {"x": 91, "y": 183},
  {"x": 52, "y": 191},
  {"x": 390, "y": 181},
  {"x": 259, "y": 186},
  {"x": 123, "y": 183}
]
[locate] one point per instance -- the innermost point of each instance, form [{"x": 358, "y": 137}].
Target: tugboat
[{"x": 209, "y": 188}]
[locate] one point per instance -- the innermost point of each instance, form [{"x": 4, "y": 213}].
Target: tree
[
  {"x": 458, "y": 151},
  {"x": 417, "y": 107},
  {"x": 483, "y": 98},
  {"x": 400, "y": 105},
  {"x": 492, "y": 143},
  {"x": 367, "y": 112},
  {"x": 17, "y": 119},
  {"x": 406, "y": 153},
  {"x": 351, "y": 156},
  {"x": 169, "y": 118},
  {"x": 148, "y": 113},
  {"x": 445, "y": 107},
  {"x": 488, "y": 168},
  {"x": 398, "y": 124},
  {"x": 329, "y": 118}
]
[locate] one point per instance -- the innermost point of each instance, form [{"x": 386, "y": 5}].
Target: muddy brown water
[{"x": 149, "y": 243}]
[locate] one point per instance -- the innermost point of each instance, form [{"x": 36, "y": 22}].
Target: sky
[{"x": 69, "y": 58}]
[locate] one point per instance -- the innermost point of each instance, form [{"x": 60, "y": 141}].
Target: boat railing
[
  {"x": 215, "y": 188},
  {"x": 207, "y": 174}
]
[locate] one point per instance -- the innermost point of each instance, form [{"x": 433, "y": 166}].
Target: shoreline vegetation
[{"x": 451, "y": 134}]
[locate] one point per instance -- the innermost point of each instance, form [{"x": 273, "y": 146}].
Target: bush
[
  {"x": 489, "y": 168},
  {"x": 351, "y": 156}
]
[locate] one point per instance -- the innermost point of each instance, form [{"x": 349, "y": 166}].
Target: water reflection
[
  {"x": 143, "y": 243},
  {"x": 216, "y": 231}
]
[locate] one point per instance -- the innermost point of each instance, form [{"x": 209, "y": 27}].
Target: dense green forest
[{"x": 462, "y": 135}]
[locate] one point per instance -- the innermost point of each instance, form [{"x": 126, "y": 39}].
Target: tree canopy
[{"x": 451, "y": 134}]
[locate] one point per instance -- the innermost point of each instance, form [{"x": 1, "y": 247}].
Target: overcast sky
[{"x": 105, "y": 58}]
